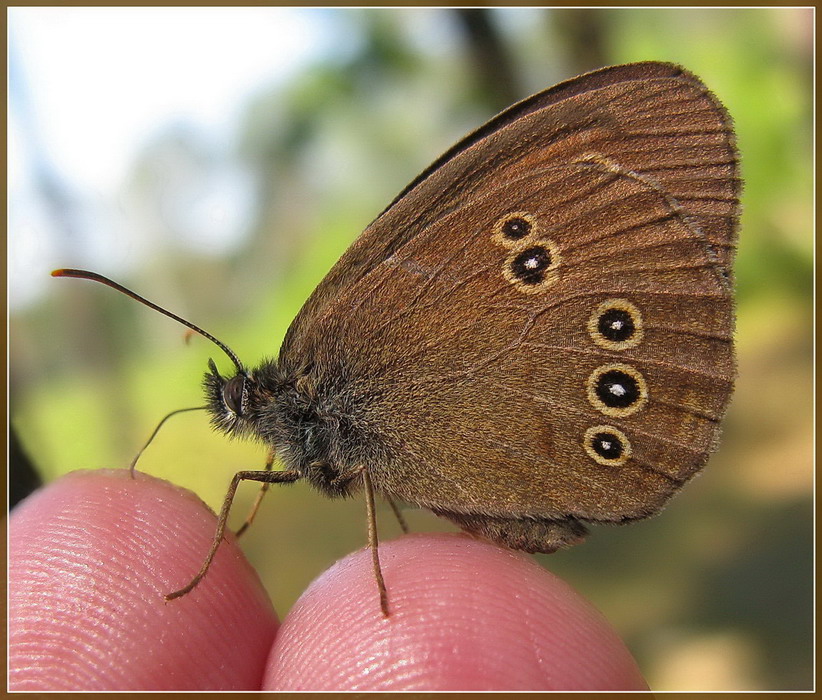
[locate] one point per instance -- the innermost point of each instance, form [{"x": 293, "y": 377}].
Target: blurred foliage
[{"x": 715, "y": 593}]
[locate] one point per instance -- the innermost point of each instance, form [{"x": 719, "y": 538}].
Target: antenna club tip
[
  {"x": 95, "y": 277},
  {"x": 79, "y": 274}
]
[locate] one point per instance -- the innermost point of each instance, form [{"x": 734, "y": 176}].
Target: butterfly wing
[
  {"x": 654, "y": 118},
  {"x": 479, "y": 345}
]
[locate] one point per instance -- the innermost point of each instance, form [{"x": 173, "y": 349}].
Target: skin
[{"x": 92, "y": 553}]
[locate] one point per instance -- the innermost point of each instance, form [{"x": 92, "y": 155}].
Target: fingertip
[
  {"x": 465, "y": 615},
  {"x": 91, "y": 557}
]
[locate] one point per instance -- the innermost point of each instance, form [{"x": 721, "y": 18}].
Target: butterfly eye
[{"x": 233, "y": 394}]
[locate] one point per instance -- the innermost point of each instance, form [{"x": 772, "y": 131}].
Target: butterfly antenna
[{"x": 86, "y": 275}]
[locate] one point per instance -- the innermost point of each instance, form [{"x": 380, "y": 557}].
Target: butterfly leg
[
  {"x": 269, "y": 462},
  {"x": 373, "y": 542},
  {"x": 344, "y": 477},
  {"x": 268, "y": 477},
  {"x": 398, "y": 515}
]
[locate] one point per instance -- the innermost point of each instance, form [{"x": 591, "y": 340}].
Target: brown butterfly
[{"x": 536, "y": 334}]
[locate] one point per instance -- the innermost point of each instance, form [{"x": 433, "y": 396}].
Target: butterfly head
[
  {"x": 227, "y": 399},
  {"x": 243, "y": 404}
]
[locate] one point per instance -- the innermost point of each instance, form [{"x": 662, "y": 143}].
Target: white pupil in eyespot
[
  {"x": 616, "y": 325},
  {"x": 617, "y": 390},
  {"x": 531, "y": 263}
]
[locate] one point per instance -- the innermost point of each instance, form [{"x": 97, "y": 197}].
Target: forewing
[{"x": 652, "y": 118}]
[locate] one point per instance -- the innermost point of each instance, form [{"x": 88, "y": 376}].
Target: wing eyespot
[
  {"x": 616, "y": 324},
  {"x": 607, "y": 445},
  {"x": 510, "y": 229},
  {"x": 617, "y": 390},
  {"x": 532, "y": 266}
]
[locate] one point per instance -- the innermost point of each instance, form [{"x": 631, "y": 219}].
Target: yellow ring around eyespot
[
  {"x": 627, "y": 451},
  {"x": 622, "y": 305},
  {"x": 498, "y": 237},
  {"x": 617, "y": 411},
  {"x": 550, "y": 275}
]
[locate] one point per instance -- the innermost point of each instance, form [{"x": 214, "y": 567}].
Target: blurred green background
[{"x": 715, "y": 593}]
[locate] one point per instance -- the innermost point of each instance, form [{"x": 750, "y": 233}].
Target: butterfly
[{"x": 535, "y": 335}]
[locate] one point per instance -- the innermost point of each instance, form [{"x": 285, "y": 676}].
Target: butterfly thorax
[{"x": 313, "y": 428}]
